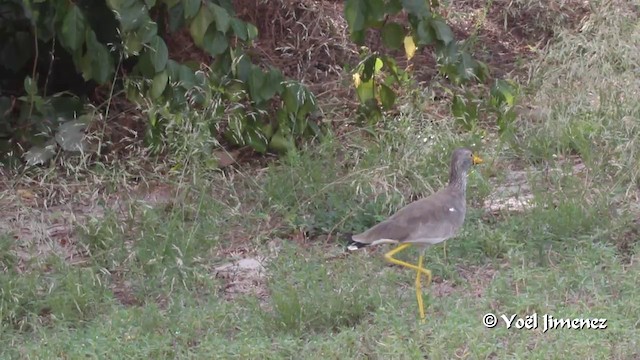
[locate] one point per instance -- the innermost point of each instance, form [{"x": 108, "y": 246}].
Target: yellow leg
[
  {"x": 389, "y": 257},
  {"x": 419, "y": 291}
]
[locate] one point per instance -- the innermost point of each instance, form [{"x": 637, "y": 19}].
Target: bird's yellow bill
[{"x": 477, "y": 160}]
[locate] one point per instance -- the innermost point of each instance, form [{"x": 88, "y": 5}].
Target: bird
[{"x": 424, "y": 222}]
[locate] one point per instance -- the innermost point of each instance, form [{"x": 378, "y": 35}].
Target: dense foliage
[
  {"x": 54, "y": 54},
  {"x": 45, "y": 44}
]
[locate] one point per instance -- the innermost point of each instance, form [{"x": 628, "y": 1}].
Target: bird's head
[{"x": 462, "y": 160}]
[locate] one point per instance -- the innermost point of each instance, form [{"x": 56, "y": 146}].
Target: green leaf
[
  {"x": 252, "y": 31},
  {"x": 118, "y": 5},
  {"x": 369, "y": 67},
  {"x": 239, "y": 28},
  {"x": 215, "y": 42},
  {"x": 176, "y": 17},
  {"x": 132, "y": 17},
  {"x": 187, "y": 77},
  {"x": 281, "y": 143},
  {"x": 378, "y": 65},
  {"x": 464, "y": 68},
  {"x": 482, "y": 71},
  {"x": 254, "y": 137},
  {"x": 171, "y": 3},
  {"x": 269, "y": 89},
  {"x": 272, "y": 84},
  {"x": 200, "y": 24},
  {"x": 393, "y": 6},
  {"x": 365, "y": 91},
  {"x": 304, "y": 112},
  {"x": 191, "y": 8},
  {"x": 144, "y": 66},
  {"x": 202, "y": 78},
  {"x": 267, "y": 130},
  {"x": 101, "y": 61},
  {"x": 147, "y": 32},
  {"x": 227, "y": 4},
  {"x": 391, "y": 65},
  {"x": 301, "y": 121},
  {"x": 443, "y": 31},
  {"x": 315, "y": 129},
  {"x": 235, "y": 91},
  {"x": 292, "y": 102},
  {"x": 465, "y": 111},
  {"x": 426, "y": 34},
  {"x": 224, "y": 63},
  {"x": 159, "y": 84},
  {"x": 458, "y": 107},
  {"x": 159, "y": 53},
  {"x": 73, "y": 28},
  {"x": 387, "y": 96},
  {"x": 256, "y": 79},
  {"x": 243, "y": 69},
  {"x": 358, "y": 37},
  {"x": 448, "y": 55},
  {"x": 30, "y": 86},
  {"x": 85, "y": 67},
  {"x": 132, "y": 44},
  {"x": 374, "y": 13},
  {"x": 354, "y": 13},
  {"x": 419, "y": 8},
  {"x": 393, "y": 35},
  {"x": 505, "y": 121},
  {"x": 282, "y": 118},
  {"x": 237, "y": 121},
  {"x": 223, "y": 19},
  {"x": 173, "y": 69},
  {"x": 503, "y": 93}
]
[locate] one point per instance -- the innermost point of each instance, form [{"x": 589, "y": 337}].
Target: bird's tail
[{"x": 353, "y": 245}]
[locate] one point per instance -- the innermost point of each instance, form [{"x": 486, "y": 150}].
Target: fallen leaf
[
  {"x": 26, "y": 194},
  {"x": 226, "y": 158}
]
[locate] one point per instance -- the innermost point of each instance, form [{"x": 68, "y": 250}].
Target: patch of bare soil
[
  {"x": 479, "y": 277},
  {"x": 243, "y": 277},
  {"x": 42, "y": 218},
  {"x": 308, "y": 40},
  {"x": 513, "y": 193}
]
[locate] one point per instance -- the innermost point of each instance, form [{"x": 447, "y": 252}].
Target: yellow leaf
[
  {"x": 409, "y": 47},
  {"x": 378, "y": 66},
  {"x": 26, "y": 194},
  {"x": 356, "y": 80}
]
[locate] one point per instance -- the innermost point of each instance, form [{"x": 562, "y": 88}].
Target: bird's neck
[{"x": 458, "y": 182}]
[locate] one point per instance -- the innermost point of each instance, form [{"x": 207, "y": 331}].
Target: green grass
[{"x": 147, "y": 285}]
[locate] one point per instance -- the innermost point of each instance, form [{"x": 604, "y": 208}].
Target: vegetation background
[{"x": 179, "y": 176}]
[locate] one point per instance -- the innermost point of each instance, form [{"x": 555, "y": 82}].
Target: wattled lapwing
[{"x": 425, "y": 222}]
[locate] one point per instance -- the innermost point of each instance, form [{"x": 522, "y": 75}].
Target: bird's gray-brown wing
[
  {"x": 430, "y": 220},
  {"x": 386, "y": 230}
]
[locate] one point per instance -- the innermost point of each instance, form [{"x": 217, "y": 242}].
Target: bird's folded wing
[{"x": 388, "y": 229}]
